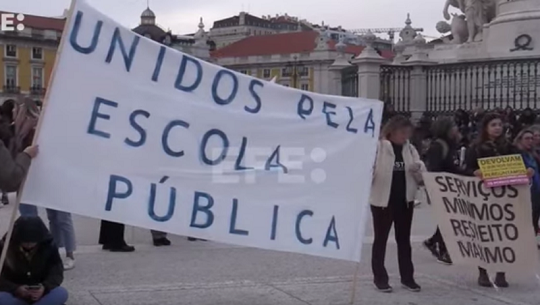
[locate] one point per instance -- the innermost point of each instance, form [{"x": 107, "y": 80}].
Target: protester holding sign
[
  {"x": 523, "y": 142},
  {"x": 396, "y": 176},
  {"x": 442, "y": 156},
  {"x": 491, "y": 142}
]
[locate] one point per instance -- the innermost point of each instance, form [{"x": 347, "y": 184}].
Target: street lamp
[{"x": 295, "y": 69}]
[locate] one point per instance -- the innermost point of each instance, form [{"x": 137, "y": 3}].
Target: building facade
[
  {"x": 27, "y": 57},
  {"x": 300, "y": 60},
  {"x": 197, "y": 44},
  {"x": 232, "y": 29}
]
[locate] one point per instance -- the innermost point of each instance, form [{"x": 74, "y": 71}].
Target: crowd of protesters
[
  {"x": 33, "y": 270},
  {"x": 444, "y": 144}
]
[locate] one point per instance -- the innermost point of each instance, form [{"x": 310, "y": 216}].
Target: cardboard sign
[
  {"x": 482, "y": 226},
  {"x": 503, "y": 170}
]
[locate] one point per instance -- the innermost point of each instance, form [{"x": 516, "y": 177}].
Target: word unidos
[{"x": 190, "y": 77}]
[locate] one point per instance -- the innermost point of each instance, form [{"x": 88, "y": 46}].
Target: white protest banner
[
  {"x": 484, "y": 227},
  {"x": 138, "y": 133}
]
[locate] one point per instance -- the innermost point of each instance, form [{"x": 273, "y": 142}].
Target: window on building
[
  {"x": 244, "y": 71},
  {"x": 303, "y": 71},
  {"x": 286, "y": 72},
  {"x": 37, "y": 53},
  {"x": 37, "y": 77},
  {"x": 11, "y": 76},
  {"x": 11, "y": 50},
  {"x": 266, "y": 73},
  {"x": 304, "y": 87},
  {"x": 286, "y": 85}
]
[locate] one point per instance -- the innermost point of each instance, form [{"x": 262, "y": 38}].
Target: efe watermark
[{"x": 7, "y": 22}]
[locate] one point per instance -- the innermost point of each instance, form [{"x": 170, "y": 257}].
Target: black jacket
[
  {"x": 436, "y": 161},
  {"x": 43, "y": 267},
  {"x": 486, "y": 150}
]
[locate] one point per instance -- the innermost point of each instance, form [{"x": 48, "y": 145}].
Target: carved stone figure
[
  {"x": 477, "y": 13},
  {"x": 459, "y": 29},
  {"x": 459, "y": 4}
]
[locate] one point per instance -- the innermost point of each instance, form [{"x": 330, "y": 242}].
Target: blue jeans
[
  {"x": 57, "y": 296},
  {"x": 60, "y": 224}
]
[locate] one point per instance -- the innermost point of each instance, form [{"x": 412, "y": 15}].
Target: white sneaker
[{"x": 69, "y": 263}]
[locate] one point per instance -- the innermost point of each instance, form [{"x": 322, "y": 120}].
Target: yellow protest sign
[{"x": 503, "y": 170}]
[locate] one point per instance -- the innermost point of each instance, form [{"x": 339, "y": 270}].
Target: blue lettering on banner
[
  {"x": 75, "y": 33},
  {"x": 224, "y": 149},
  {"x": 299, "y": 236},
  {"x": 152, "y": 202},
  {"x": 306, "y": 105},
  {"x": 159, "y": 63},
  {"x": 215, "y": 84},
  {"x": 302, "y": 111},
  {"x": 96, "y": 114},
  {"x": 138, "y": 128},
  {"x": 237, "y": 164},
  {"x": 178, "y": 84},
  {"x": 255, "y": 83},
  {"x": 202, "y": 216},
  {"x": 165, "y": 138},
  {"x": 328, "y": 114},
  {"x": 370, "y": 124},
  {"x": 114, "y": 193},
  {"x": 206, "y": 209},
  {"x": 234, "y": 214},
  {"x": 128, "y": 57},
  {"x": 331, "y": 234},
  {"x": 225, "y": 88},
  {"x": 275, "y": 158},
  {"x": 351, "y": 118}
]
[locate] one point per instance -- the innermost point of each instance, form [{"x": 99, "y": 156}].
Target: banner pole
[
  {"x": 354, "y": 284},
  {"x": 38, "y": 127}
]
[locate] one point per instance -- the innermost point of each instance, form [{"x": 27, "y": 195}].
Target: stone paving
[{"x": 206, "y": 273}]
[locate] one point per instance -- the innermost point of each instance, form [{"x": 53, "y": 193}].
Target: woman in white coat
[{"x": 396, "y": 176}]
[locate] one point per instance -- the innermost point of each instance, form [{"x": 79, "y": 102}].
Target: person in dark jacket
[
  {"x": 442, "y": 156},
  {"x": 524, "y": 142},
  {"x": 33, "y": 270},
  {"x": 491, "y": 142},
  {"x": 526, "y": 119}
]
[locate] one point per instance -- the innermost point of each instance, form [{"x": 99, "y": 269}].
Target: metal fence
[
  {"x": 349, "y": 81},
  {"x": 489, "y": 85},
  {"x": 396, "y": 87}
]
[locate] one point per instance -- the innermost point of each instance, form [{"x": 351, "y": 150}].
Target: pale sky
[{"x": 182, "y": 16}]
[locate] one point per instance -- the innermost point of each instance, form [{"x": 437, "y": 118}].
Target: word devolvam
[
  {"x": 482, "y": 226},
  {"x": 134, "y": 131}
]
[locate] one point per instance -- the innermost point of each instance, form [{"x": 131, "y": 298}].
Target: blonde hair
[
  {"x": 520, "y": 135},
  {"x": 395, "y": 123}
]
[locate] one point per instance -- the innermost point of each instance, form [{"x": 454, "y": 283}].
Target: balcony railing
[
  {"x": 11, "y": 89},
  {"x": 37, "y": 90}
]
